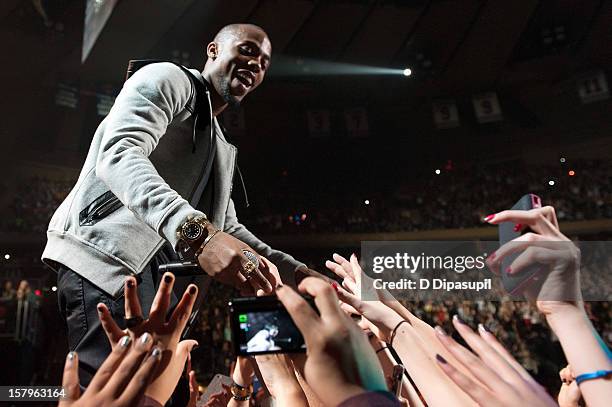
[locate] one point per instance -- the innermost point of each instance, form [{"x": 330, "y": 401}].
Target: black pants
[{"x": 78, "y": 299}]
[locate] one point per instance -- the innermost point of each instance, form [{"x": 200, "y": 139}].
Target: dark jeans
[{"x": 78, "y": 298}]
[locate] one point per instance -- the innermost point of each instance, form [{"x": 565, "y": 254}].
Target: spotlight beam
[{"x": 286, "y": 66}]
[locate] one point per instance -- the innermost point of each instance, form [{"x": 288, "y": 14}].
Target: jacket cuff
[{"x": 175, "y": 217}]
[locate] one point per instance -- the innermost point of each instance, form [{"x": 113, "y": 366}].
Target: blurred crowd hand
[
  {"x": 382, "y": 316},
  {"x": 223, "y": 259},
  {"x": 569, "y": 394},
  {"x": 194, "y": 389},
  {"x": 278, "y": 374},
  {"x": 340, "y": 362},
  {"x": 122, "y": 378},
  {"x": 167, "y": 332},
  {"x": 222, "y": 398},
  {"x": 500, "y": 380},
  {"x": 242, "y": 375},
  {"x": 548, "y": 247}
]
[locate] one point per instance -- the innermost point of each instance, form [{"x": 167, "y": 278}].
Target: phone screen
[{"x": 262, "y": 325}]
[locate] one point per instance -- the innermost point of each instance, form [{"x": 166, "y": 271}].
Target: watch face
[{"x": 192, "y": 230}]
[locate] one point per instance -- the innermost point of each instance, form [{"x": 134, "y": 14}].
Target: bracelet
[
  {"x": 593, "y": 375},
  {"x": 208, "y": 238},
  {"x": 240, "y": 393},
  {"x": 395, "y": 331},
  {"x": 381, "y": 349}
]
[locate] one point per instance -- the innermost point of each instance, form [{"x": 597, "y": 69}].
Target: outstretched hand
[
  {"x": 166, "y": 332},
  {"x": 120, "y": 381}
]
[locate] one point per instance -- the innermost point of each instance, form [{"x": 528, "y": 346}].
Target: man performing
[{"x": 156, "y": 183}]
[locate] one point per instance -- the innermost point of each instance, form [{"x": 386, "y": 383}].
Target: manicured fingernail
[
  {"x": 483, "y": 329},
  {"x": 192, "y": 290},
  {"x": 517, "y": 227},
  {"x": 156, "y": 353},
  {"x": 440, "y": 359},
  {"x": 279, "y": 285},
  {"x": 457, "y": 318},
  {"x": 100, "y": 308},
  {"x": 145, "y": 338},
  {"x": 440, "y": 331},
  {"x": 71, "y": 356},
  {"x": 125, "y": 341},
  {"x": 168, "y": 279},
  {"x": 130, "y": 283},
  {"x": 488, "y": 218},
  {"x": 335, "y": 286},
  {"x": 508, "y": 270}
]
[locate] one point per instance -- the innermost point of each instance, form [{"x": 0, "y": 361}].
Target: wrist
[{"x": 565, "y": 317}]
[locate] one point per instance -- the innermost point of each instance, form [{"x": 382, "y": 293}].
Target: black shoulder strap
[{"x": 202, "y": 108}]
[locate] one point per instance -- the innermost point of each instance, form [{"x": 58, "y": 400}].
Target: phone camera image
[{"x": 263, "y": 326}]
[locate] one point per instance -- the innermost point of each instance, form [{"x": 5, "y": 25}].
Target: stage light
[
  {"x": 571, "y": 173},
  {"x": 54, "y": 288},
  {"x": 303, "y": 217},
  {"x": 407, "y": 72},
  {"x": 367, "y": 202},
  {"x": 38, "y": 293},
  {"x": 438, "y": 172},
  {"x": 7, "y": 256},
  {"x": 562, "y": 159},
  {"x": 551, "y": 183}
]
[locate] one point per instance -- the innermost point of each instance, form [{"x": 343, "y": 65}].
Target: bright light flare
[{"x": 407, "y": 72}]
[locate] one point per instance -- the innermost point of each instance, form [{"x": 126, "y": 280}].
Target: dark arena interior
[{"x": 375, "y": 124}]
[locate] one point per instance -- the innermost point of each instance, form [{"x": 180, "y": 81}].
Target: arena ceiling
[{"x": 451, "y": 45}]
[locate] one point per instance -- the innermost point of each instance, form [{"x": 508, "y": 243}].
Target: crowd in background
[
  {"x": 459, "y": 197},
  {"x": 417, "y": 204}
]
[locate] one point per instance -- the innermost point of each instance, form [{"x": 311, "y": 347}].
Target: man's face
[{"x": 241, "y": 65}]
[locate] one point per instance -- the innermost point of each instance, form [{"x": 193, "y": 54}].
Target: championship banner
[
  {"x": 356, "y": 121},
  {"x": 487, "y": 108},
  {"x": 593, "y": 87},
  {"x": 445, "y": 114},
  {"x": 319, "y": 123}
]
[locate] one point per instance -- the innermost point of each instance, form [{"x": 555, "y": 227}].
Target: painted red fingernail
[
  {"x": 509, "y": 270},
  {"x": 517, "y": 227},
  {"x": 335, "y": 286},
  {"x": 489, "y": 217}
]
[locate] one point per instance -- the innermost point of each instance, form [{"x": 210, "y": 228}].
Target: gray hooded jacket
[{"x": 142, "y": 153}]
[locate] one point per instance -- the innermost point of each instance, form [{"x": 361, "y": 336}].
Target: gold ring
[{"x": 248, "y": 269}]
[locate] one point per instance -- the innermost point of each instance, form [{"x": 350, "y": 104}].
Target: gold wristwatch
[{"x": 191, "y": 234}]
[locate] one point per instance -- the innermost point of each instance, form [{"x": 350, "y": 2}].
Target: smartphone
[
  {"x": 262, "y": 325},
  {"x": 215, "y": 386},
  {"x": 396, "y": 379},
  {"x": 515, "y": 284}
]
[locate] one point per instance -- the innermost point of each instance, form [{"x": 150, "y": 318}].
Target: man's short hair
[{"x": 232, "y": 31}]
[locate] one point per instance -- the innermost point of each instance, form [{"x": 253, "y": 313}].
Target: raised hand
[
  {"x": 340, "y": 362},
  {"x": 120, "y": 381},
  {"x": 500, "y": 381},
  {"x": 166, "y": 333}
]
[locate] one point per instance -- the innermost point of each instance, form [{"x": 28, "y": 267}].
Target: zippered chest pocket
[{"x": 101, "y": 207}]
